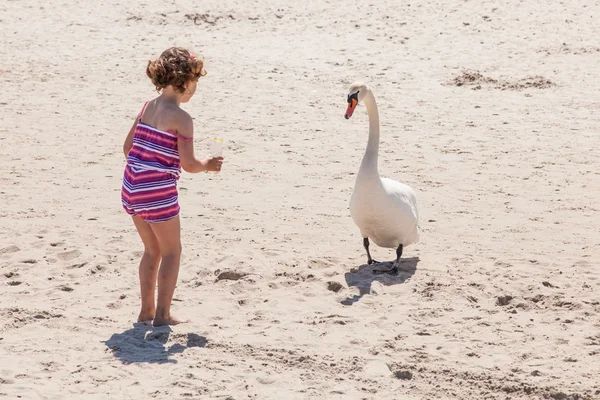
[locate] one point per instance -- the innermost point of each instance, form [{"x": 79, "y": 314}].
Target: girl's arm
[
  {"x": 129, "y": 139},
  {"x": 187, "y": 159}
]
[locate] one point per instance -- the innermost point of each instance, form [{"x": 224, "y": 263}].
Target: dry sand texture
[{"x": 489, "y": 111}]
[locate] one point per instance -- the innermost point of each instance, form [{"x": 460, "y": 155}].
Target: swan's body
[{"x": 384, "y": 210}]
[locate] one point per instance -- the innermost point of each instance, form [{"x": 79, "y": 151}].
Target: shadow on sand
[
  {"x": 147, "y": 344},
  {"x": 363, "y": 277}
]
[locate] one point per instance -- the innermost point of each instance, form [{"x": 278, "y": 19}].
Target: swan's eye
[{"x": 352, "y": 96}]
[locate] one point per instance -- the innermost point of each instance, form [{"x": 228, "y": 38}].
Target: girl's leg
[
  {"x": 168, "y": 234},
  {"x": 148, "y": 270}
]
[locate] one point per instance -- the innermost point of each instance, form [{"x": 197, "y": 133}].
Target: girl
[{"x": 158, "y": 145}]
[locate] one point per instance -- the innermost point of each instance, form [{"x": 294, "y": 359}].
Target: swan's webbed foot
[
  {"x": 370, "y": 261},
  {"x": 393, "y": 269},
  {"x": 386, "y": 269}
]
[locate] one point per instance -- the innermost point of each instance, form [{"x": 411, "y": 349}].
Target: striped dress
[{"x": 150, "y": 179}]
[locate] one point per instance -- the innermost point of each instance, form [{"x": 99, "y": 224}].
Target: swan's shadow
[
  {"x": 147, "y": 344},
  {"x": 363, "y": 277}
]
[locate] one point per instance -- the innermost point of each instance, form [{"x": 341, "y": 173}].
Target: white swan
[{"x": 384, "y": 210}]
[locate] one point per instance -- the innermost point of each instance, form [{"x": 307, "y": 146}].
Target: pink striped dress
[{"x": 150, "y": 179}]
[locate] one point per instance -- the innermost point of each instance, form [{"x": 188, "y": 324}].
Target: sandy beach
[{"x": 489, "y": 110}]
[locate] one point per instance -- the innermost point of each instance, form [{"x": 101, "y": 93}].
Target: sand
[{"x": 489, "y": 111}]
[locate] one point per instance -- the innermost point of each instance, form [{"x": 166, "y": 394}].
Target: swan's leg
[
  {"x": 393, "y": 269},
  {"x": 369, "y": 259},
  {"x": 397, "y": 262}
]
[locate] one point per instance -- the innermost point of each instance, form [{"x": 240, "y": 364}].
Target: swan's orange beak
[{"x": 351, "y": 106}]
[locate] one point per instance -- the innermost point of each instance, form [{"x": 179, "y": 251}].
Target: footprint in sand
[
  {"x": 323, "y": 262},
  {"x": 69, "y": 255},
  {"x": 231, "y": 275},
  {"x": 9, "y": 249},
  {"x": 334, "y": 286},
  {"x": 97, "y": 269},
  {"x": 79, "y": 265}
]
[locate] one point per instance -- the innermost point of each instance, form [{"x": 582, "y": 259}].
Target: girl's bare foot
[
  {"x": 146, "y": 316},
  {"x": 171, "y": 320}
]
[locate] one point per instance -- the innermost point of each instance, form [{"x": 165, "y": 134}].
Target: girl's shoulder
[{"x": 185, "y": 124}]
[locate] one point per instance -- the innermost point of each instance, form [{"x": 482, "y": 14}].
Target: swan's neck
[{"x": 369, "y": 162}]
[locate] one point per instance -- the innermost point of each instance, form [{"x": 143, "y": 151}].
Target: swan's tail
[{"x": 415, "y": 236}]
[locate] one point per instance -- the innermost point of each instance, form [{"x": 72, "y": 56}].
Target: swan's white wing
[{"x": 401, "y": 194}]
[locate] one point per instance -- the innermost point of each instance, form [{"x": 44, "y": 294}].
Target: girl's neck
[{"x": 171, "y": 96}]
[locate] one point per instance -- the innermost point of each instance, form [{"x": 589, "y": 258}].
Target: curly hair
[{"x": 175, "y": 67}]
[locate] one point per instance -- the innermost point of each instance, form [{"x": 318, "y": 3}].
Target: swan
[{"x": 383, "y": 209}]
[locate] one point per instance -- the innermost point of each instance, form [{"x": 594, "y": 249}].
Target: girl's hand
[{"x": 213, "y": 164}]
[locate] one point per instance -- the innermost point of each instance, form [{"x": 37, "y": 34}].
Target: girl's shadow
[
  {"x": 147, "y": 344},
  {"x": 363, "y": 277}
]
